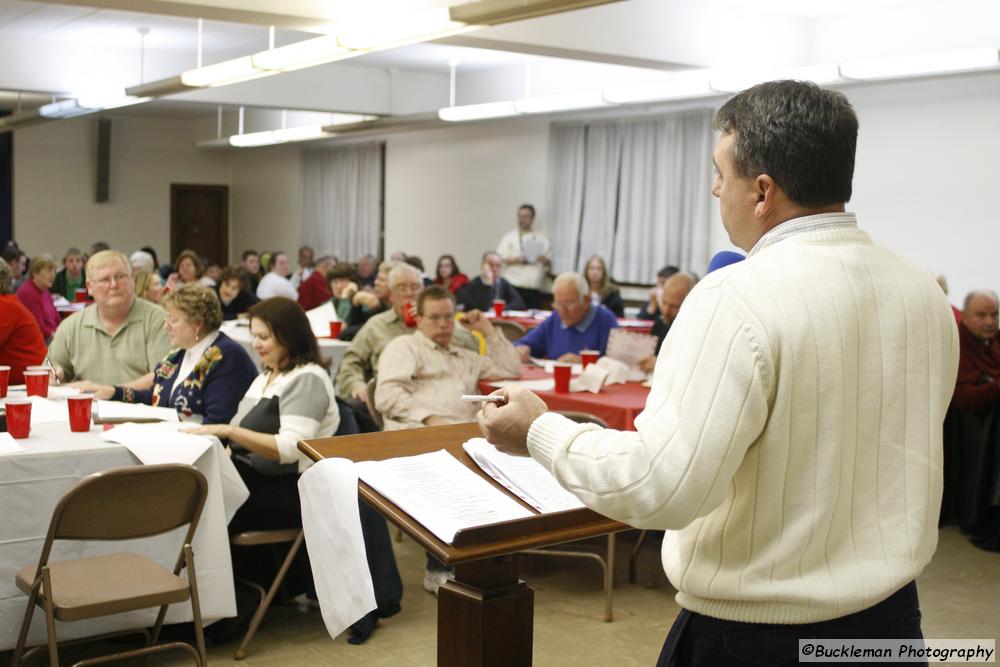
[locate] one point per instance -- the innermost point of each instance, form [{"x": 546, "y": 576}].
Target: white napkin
[
  {"x": 328, "y": 492},
  {"x": 617, "y": 371},
  {"x": 592, "y": 379}
]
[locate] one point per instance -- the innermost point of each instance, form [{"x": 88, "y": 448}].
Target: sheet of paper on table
[
  {"x": 46, "y": 410},
  {"x": 546, "y": 384},
  {"x": 523, "y": 476},
  {"x": 8, "y": 445},
  {"x": 320, "y": 318},
  {"x": 592, "y": 379},
  {"x": 629, "y": 347},
  {"x": 115, "y": 410},
  {"x": 159, "y": 443},
  {"x": 439, "y": 492}
]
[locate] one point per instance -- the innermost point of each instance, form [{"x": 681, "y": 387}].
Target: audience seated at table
[
  {"x": 148, "y": 286},
  {"x": 369, "y": 301},
  {"x": 422, "y": 377},
  {"x": 574, "y": 325},
  {"x": 489, "y": 285},
  {"x": 70, "y": 277},
  {"x": 235, "y": 295},
  {"x": 602, "y": 292},
  {"x": 189, "y": 270},
  {"x": 118, "y": 340},
  {"x": 314, "y": 290},
  {"x": 205, "y": 375},
  {"x": 448, "y": 275},
  {"x": 275, "y": 282},
  {"x": 651, "y": 309},
  {"x": 675, "y": 290},
  {"x": 35, "y": 295},
  {"x": 21, "y": 342},
  {"x": 360, "y": 362},
  {"x": 340, "y": 281}
]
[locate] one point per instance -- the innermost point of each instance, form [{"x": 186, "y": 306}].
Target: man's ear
[{"x": 767, "y": 195}]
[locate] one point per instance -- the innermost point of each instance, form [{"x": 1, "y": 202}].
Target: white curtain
[
  {"x": 342, "y": 199},
  {"x": 566, "y": 172},
  {"x": 635, "y": 192},
  {"x": 663, "y": 214}
]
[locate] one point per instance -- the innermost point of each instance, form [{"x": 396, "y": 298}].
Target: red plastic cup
[
  {"x": 80, "y": 295},
  {"x": 498, "y": 306},
  {"x": 4, "y": 380},
  {"x": 79, "y": 412},
  {"x": 37, "y": 383},
  {"x": 410, "y": 314},
  {"x": 562, "y": 373},
  {"x": 19, "y": 417},
  {"x": 588, "y": 357},
  {"x": 335, "y": 329}
]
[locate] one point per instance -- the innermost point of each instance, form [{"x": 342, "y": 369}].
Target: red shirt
[
  {"x": 455, "y": 283},
  {"x": 976, "y": 388},
  {"x": 314, "y": 291},
  {"x": 21, "y": 343},
  {"x": 39, "y": 303}
]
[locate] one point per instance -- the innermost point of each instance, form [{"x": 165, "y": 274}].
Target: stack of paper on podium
[
  {"x": 523, "y": 476},
  {"x": 439, "y": 492}
]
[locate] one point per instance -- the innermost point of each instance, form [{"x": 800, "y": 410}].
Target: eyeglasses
[
  {"x": 105, "y": 283},
  {"x": 408, "y": 287},
  {"x": 439, "y": 318}
]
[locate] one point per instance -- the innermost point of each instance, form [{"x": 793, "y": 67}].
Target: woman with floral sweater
[{"x": 206, "y": 373}]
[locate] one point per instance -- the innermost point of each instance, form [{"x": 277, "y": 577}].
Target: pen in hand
[{"x": 477, "y": 398}]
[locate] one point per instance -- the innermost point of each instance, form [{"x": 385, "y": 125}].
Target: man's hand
[
  {"x": 361, "y": 393},
  {"x": 474, "y": 321},
  {"x": 524, "y": 352},
  {"x": 513, "y": 261},
  {"x": 507, "y": 426},
  {"x": 570, "y": 358},
  {"x": 434, "y": 420},
  {"x": 365, "y": 299},
  {"x": 647, "y": 364},
  {"x": 544, "y": 261}
]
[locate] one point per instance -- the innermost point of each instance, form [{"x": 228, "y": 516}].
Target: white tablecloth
[
  {"x": 31, "y": 483},
  {"x": 330, "y": 349}
]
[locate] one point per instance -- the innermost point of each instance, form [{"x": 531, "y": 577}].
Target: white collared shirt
[
  {"x": 191, "y": 357},
  {"x": 808, "y": 223}
]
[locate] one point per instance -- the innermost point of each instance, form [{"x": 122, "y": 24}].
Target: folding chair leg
[
  {"x": 258, "y": 616},
  {"x": 199, "y": 631},
  {"x": 29, "y": 612},
  {"x": 634, "y": 558},
  {"x": 50, "y": 618},
  {"x": 609, "y": 579}
]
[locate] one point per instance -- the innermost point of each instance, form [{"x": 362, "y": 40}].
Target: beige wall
[
  {"x": 266, "y": 196},
  {"x": 55, "y": 176}
]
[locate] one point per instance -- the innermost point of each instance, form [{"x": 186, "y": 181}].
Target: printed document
[{"x": 523, "y": 476}]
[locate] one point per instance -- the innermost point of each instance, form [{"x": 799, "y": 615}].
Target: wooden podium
[{"x": 485, "y": 615}]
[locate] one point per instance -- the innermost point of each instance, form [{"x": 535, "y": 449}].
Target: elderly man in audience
[
  {"x": 361, "y": 361},
  {"x": 365, "y": 303},
  {"x": 675, "y": 290},
  {"x": 275, "y": 282},
  {"x": 481, "y": 291},
  {"x": 70, "y": 277},
  {"x": 575, "y": 325},
  {"x": 120, "y": 340},
  {"x": 421, "y": 378},
  {"x": 306, "y": 266},
  {"x": 527, "y": 255},
  {"x": 21, "y": 343},
  {"x": 34, "y": 294},
  {"x": 977, "y": 388},
  {"x": 314, "y": 290},
  {"x": 366, "y": 271},
  {"x": 142, "y": 261},
  {"x": 651, "y": 309}
]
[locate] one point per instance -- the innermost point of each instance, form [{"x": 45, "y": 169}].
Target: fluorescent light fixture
[
  {"x": 282, "y": 136},
  {"x": 735, "y": 80},
  {"x": 494, "y": 12},
  {"x": 97, "y": 101},
  {"x": 350, "y": 118},
  {"x": 478, "y": 111},
  {"x": 676, "y": 86},
  {"x": 223, "y": 74},
  {"x": 399, "y": 30},
  {"x": 252, "y": 139},
  {"x": 64, "y": 109},
  {"x": 922, "y": 64},
  {"x": 307, "y": 53},
  {"x": 553, "y": 103}
]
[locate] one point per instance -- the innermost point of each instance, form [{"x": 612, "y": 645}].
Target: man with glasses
[
  {"x": 120, "y": 339},
  {"x": 575, "y": 325},
  {"x": 360, "y": 362}
]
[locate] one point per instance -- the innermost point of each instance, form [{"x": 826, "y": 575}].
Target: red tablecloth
[
  {"x": 529, "y": 323},
  {"x": 617, "y": 404}
]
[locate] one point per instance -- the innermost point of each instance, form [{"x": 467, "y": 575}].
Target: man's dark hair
[
  {"x": 529, "y": 207},
  {"x": 667, "y": 271},
  {"x": 433, "y": 293},
  {"x": 802, "y": 136},
  {"x": 415, "y": 262},
  {"x": 341, "y": 270},
  {"x": 236, "y": 273},
  {"x": 247, "y": 253},
  {"x": 290, "y": 327}
]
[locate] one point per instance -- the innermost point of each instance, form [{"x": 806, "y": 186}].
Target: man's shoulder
[{"x": 149, "y": 313}]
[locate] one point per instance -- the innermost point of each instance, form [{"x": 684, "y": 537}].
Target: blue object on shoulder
[{"x": 724, "y": 258}]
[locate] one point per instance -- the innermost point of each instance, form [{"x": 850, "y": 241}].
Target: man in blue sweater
[{"x": 575, "y": 325}]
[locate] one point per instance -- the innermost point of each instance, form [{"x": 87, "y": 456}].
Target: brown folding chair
[
  {"x": 258, "y": 538},
  {"x": 511, "y": 330},
  {"x": 119, "y": 504},
  {"x": 607, "y": 560}
]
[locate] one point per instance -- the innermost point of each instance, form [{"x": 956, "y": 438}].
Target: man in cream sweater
[{"x": 791, "y": 442}]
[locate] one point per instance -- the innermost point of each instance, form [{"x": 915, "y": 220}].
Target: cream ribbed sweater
[{"x": 791, "y": 442}]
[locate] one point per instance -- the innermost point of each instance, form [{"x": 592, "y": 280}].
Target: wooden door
[{"x": 199, "y": 221}]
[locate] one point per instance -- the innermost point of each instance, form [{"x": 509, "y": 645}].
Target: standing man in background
[
  {"x": 527, "y": 256},
  {"x": 791, "y": 447}
]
